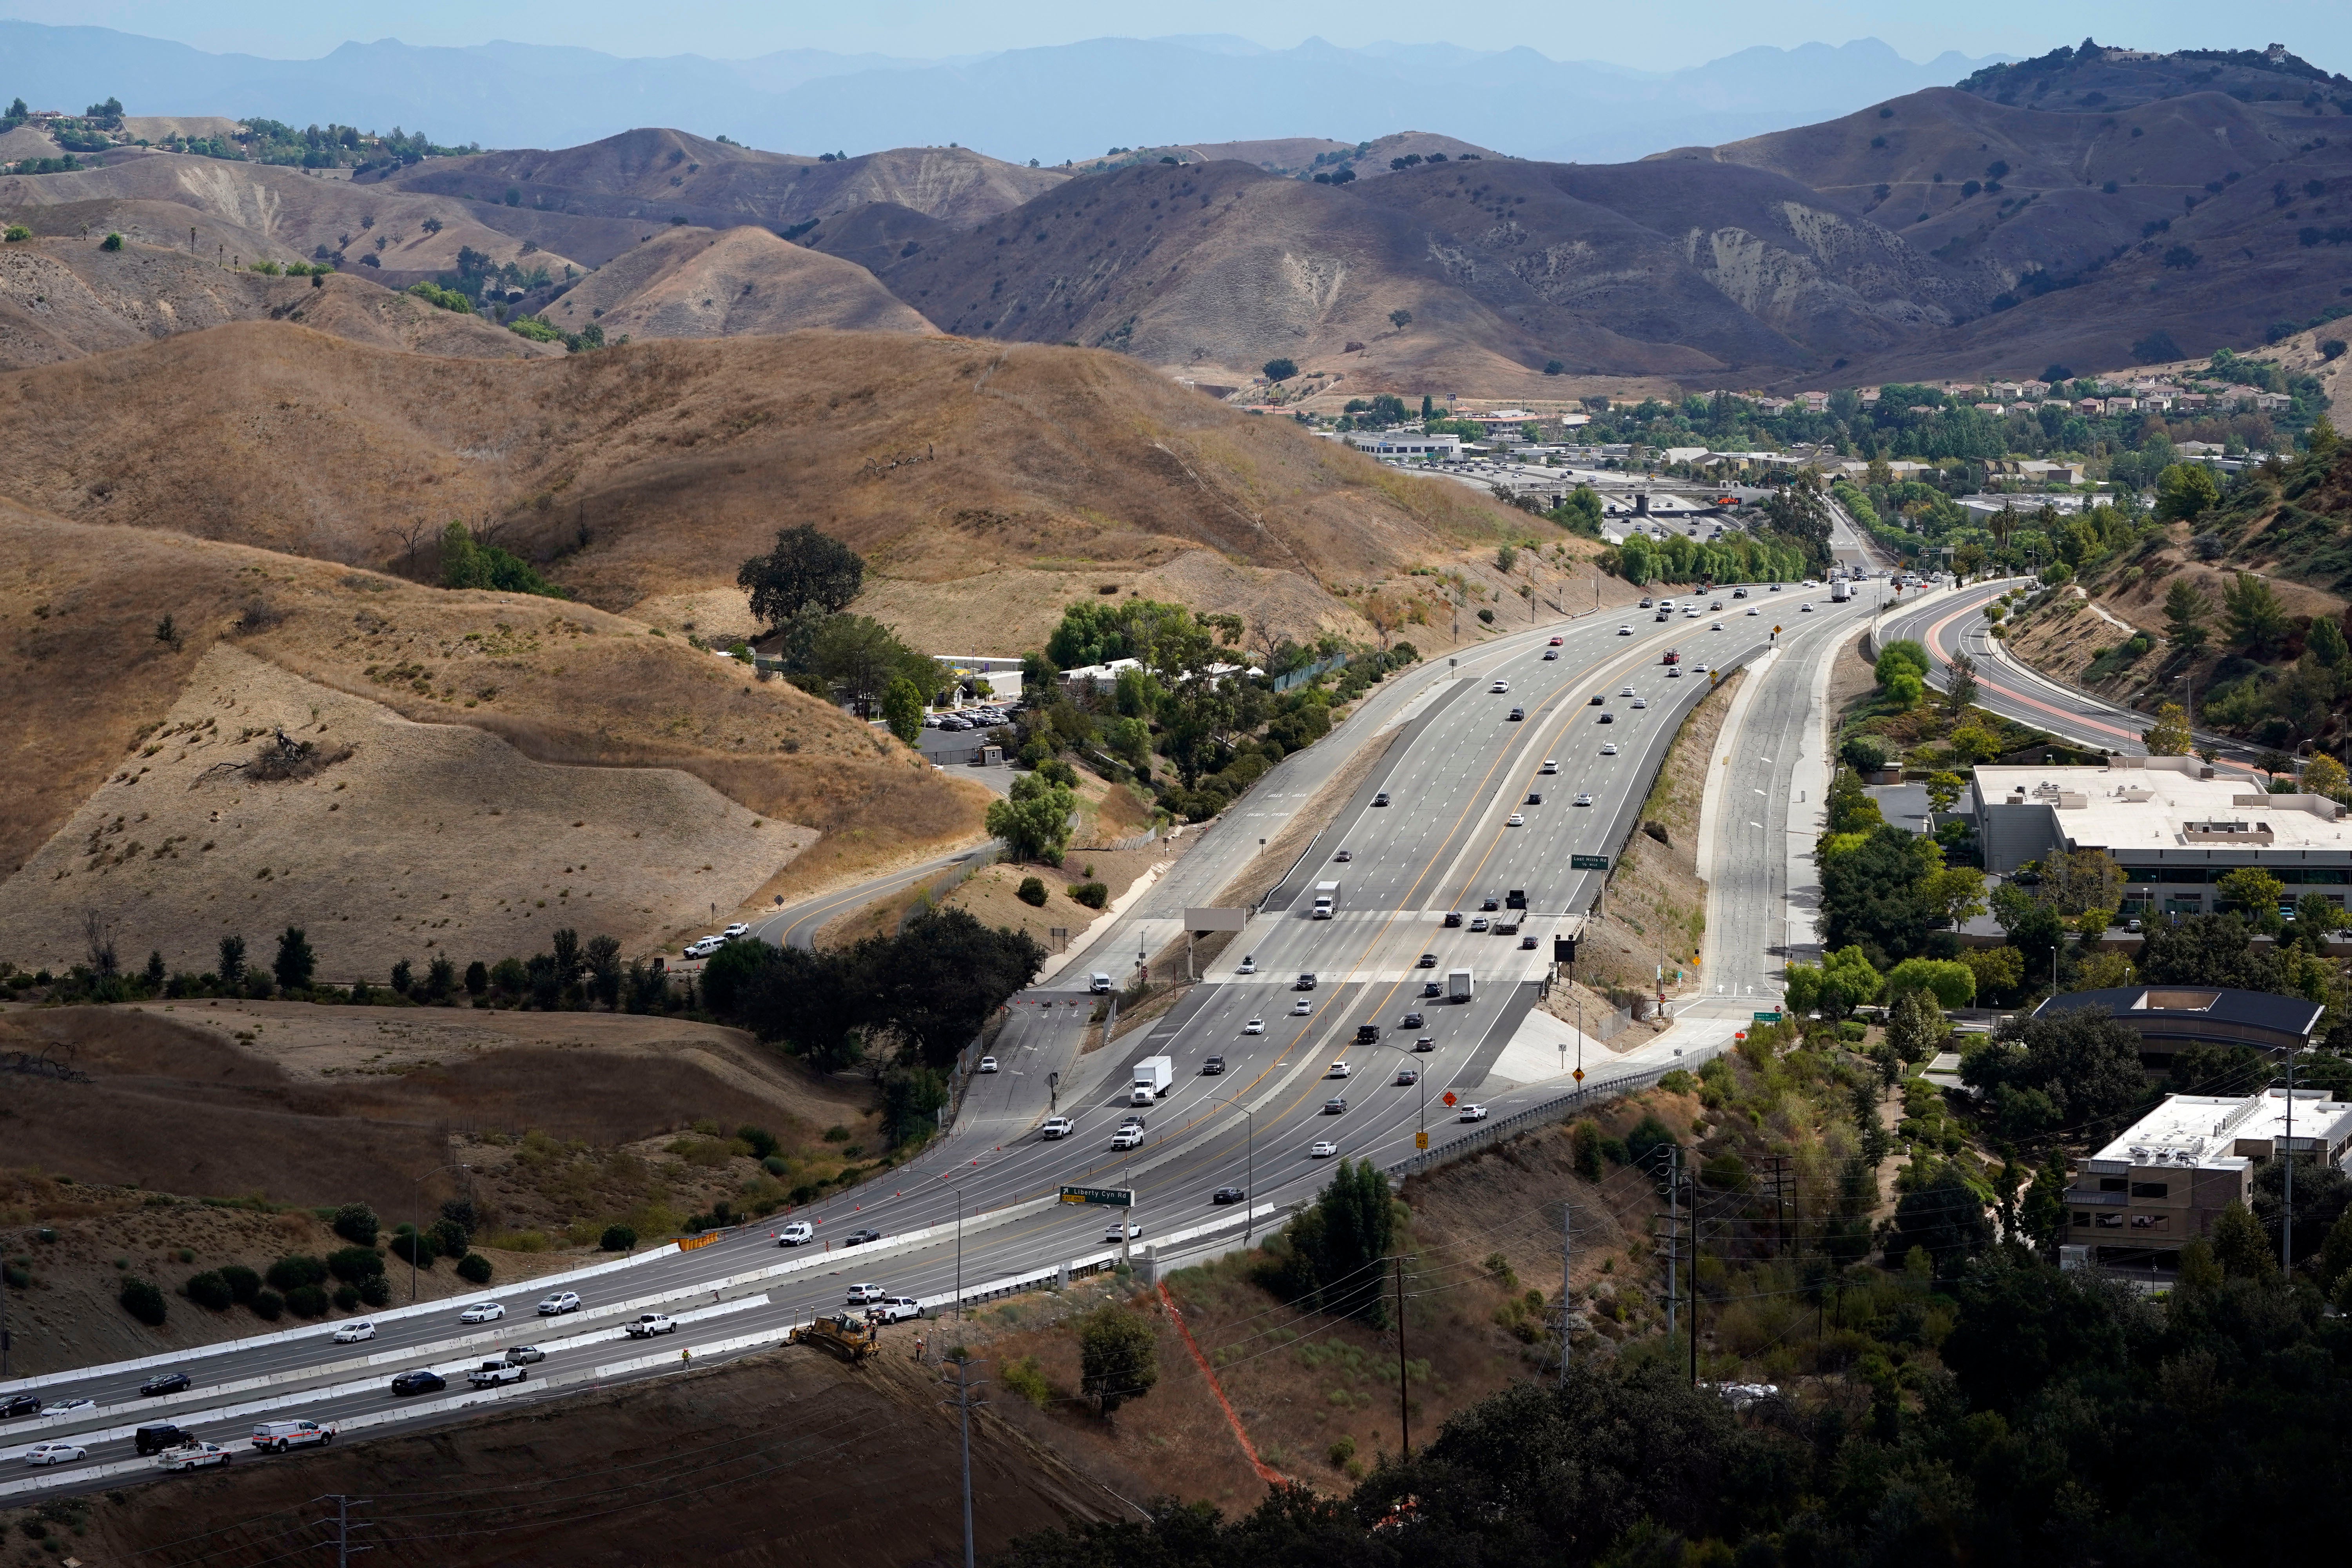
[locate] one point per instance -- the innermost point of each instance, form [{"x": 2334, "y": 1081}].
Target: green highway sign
[
  {"x": 1116, "y": 1198},
  {"x": 1588, "y": 862},
  {"x": 1768, "y": 1017}
]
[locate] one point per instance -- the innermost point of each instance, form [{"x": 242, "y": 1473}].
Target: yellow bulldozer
[{"x": 851, "y": 1339}]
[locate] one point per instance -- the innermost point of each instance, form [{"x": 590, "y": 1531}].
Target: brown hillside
[
  {"x": 62, "y": 299},
  {"x": 876, "y": 235},
  {"x": 292, "y": 213},
  {"x": 695, "y": 283},
  {"x": 417, "y": 681},
  {"x": 656, "y": 468},
  {"x": 653, "y": 175},
  {"x": 2225, "y": 180}
]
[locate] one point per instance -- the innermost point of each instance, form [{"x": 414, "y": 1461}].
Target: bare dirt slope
[
  {"x": 558, "y": 683},
  {"x": 61, "y": 298},
  {"x": 656, "y": 468},
  {"x": 425, "y": 840},
  {"x": 698, "y": 283},
  {"x": 655, "y": 174}
]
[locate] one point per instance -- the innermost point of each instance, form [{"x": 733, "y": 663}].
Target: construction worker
[{"x": 918, "y": 1350}]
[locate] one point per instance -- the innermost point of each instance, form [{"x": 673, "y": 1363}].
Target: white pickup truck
[
  {"x": 651, "y": 1323},
  {"x": 491, "y": 1373}
]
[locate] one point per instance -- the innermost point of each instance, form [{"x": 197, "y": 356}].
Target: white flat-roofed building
[
  {"x": 2169, "y": 1174},
  {"x": 2173, "y": 826},
  {"x": 1412, "y": 445}
]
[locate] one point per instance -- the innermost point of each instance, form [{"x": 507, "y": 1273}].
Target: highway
[{"x": 1459, "y": 768}]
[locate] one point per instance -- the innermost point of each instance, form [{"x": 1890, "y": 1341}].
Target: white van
[
  {"x": 1098, "y": 982},
  {"x": 276, "y": 1436}
]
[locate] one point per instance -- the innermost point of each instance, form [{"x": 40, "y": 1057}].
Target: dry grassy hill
[
  {"x": 289, "y": 213},
  {"x": 698, "y": 283},
  {"x": 653, "y": 175},
  {"x": 495, "y": 742},
  {"x": 965, "y": 473},
  {"x": 62, "y": 299}
]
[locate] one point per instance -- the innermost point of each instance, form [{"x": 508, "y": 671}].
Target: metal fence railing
[{"x": 1556, "y": 1110}]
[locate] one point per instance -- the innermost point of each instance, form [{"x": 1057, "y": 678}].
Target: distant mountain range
[{"x": 1068, "y": 102}]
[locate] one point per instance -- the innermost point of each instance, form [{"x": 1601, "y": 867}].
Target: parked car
[
  {"x": 484, "y": 1312},
  {"x": 648, "y": 1325},
  {"x": 894, "y": 1309},
  {"x": 194, "y": 1456},
  {"x": 276, "y": 1436},
  {"x": 55, "y": 1453},
  {"x": 354, "y": 1334},
  {"x": 1228, "y": 1195},
  {"x": 988, "y": 1063},
  {"x": 559, "y": 1302},
  {"x": 418, "y": 1380},
  {"x": 799, "y": 1233},
  {"x": 165, "y": 1383},
  {"x": 860, "y": 1237}
]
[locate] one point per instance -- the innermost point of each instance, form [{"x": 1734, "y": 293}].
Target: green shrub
[
  {"x": 1026, "y": 1378},
  {"x": 414, "y": 1249},
  {"x": 376, "y": 1292},
  {"x": 1584, "y": 1144},
  {"x": 617, "y": 1238},
  {"x": 307, "y": 1301},
  {"x": 111, "y": 242},
  {"x": 243, "y": 1283},
  {"x": 18, "y": 231},
  {"x": 143, "y": 1301},
  {"x": 353, "y": 1264},
  {"x": 761, "y": 1142},
  {"x": 268, "y": 1306},
  {"x": 1031, "y": 891},
  {"x": 1648, "y": 1133},
  {"x": 474, "y": 1268},
  {"x": 775, "y": 1164},
  {"x": 442, "y": 299},
  {"x": 449, "y": 1237},
  {"x": 1094, "y": 895},
  {"x": 295, "y": 1270},
  {"x": 210, "y": 1291},
  {"x": 346, "y": 1298}
]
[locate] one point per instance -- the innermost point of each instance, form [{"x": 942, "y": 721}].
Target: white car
[
  {"x": 1624, "y": 691},
  {"x": 988, "y": 1063},
  {"x": 1255, "y": 1027},
  {"x": 1549, "y": 766},
  {"x": 1057, "y": 1127},
  {"x": 1126, "y": 1137},
  {"x": 559, "y": 1302},
  {"x": 896, "y": 1309},
  {"x": 1338, "y": 1069},
  {"x": 1607, "y": 748},
  {"x": 55, "y": 1453},
  {"x": 1472, "y": 1113},
  {"x": 1806, "y": 608},
  {"x": 491, "y": 1311},
  {"x": 353, "y": 1334},
  {"x": 648, "y": 1325},
  {"x": 859, "y": 1295},
  {"x": 799, "y": 1232},
  {"x": 1624, "y": 631},
  {"x": 1583, "y": 799},
  {"x": 733, "y": 932},
  {"x": 1499, "y": 688},
  {"x": 1322, "y": 1150},
  {"x": 193, "y": 1457},
  {"x": 704, "y": 948},
  {"x": 1751, "y": 609},
  {"x": 1116, "y": 1232},
  {"x": 1698, "y": 669},
  {"x": 1301, "y": 1008},
  {"x": 1641, "y": 702},
  {"x": 1673, "y": 672},
  {"x": 1247, "y": 966},
  {"x": 496, "y": 1374},
  {"x": 69, "y": 1407},
  {"x": 1514, "y": 820}
]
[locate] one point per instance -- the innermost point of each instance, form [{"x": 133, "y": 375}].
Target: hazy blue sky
[{"x": 1658, "y": 35}]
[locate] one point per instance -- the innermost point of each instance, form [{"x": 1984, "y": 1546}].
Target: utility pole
[
  {"x": 963, "y": 1403},
  {"x": 1404, "y": 1410},
  {"x": 1565, "y": 1253},
  {"x": 1674, "y": 1224},
  {"x": 1692, "y": 1269},
  {"x": 344, "y": 1525}
]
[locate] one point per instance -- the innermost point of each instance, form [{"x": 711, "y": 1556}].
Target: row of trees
[{"x": 800, "y": 593}]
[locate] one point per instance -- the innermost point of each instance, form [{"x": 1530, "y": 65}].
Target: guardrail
[{"x": 1550, "y": 1110}]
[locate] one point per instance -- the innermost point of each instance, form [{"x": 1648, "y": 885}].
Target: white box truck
[
  {"x": 1457, "y": 985},
  {"x": 1841, "y": 591},
  {"x": 1326, "y": 899},
  {"x": 1152, "y": 1076}
]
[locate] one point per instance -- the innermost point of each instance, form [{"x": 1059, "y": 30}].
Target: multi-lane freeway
[{"x": 1597, "y": 705}]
